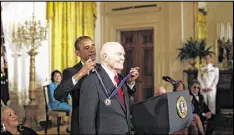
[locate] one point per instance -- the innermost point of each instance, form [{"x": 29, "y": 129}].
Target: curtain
[
  {"x": 68, "y": 21},
  {"x": 201, "y": 29},
  {"x": 202, "y": 25}
]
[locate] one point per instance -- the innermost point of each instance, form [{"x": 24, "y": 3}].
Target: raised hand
[
  {"x": 88, "y": 65},
  {"x": 134, "y": 74}
]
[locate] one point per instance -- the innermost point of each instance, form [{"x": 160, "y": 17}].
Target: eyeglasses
[{"x": 196, "y": 87}]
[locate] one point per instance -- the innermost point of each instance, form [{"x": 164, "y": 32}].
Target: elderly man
[
  {"x": 104, "y": 101},
  {"x": 10, "y": 124},
  {"x": 161, "y": 90}
]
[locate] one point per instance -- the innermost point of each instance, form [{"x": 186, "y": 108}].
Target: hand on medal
[
  {"x": 88, "y": 65},
  {"x": 134, "y": 74}
]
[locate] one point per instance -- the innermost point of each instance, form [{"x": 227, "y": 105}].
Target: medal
[
  {"x": 107, "y": 102},
  {"x": 108, "y": 99}
]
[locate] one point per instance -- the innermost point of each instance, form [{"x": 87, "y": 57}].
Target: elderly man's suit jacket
[
  {"x": 97, "y": 118},
  {"x": 66, "y": 86}
]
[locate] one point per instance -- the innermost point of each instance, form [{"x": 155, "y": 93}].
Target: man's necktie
[{"x": 120, "y": 91}]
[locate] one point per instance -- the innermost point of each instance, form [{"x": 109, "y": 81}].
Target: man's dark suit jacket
[
  {"x": 66, "y": 86},
  {"x": 199, "y": 106},
  {"x": 97, "y": 118}
]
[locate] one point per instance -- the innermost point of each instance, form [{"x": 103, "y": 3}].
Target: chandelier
[{"x": 29, "y": 35}]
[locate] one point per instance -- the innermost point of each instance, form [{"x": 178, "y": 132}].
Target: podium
[{"x": 163, "y": 114}]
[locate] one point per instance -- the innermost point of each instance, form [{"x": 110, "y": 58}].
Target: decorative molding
[{"x": 134, "y": 10}]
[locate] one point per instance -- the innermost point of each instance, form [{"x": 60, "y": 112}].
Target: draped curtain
[
  {"x": 68, "y": 21},
  {"x": 201, "y": 29},
  {"x": 202, "y": 25}
]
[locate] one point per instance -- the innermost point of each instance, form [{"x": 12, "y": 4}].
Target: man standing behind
[
  {"x": 72, "y": 77},
  {"x": 160, "y": 91},
  {"x": 105, "y": 109},
  {"x": 208, "y": 77}
]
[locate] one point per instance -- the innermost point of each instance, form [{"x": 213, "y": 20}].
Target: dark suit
[
  {"x": 97, "y": 118},
  {"x": 64, "y": 88},
  {"x": 199, "y": 106}
]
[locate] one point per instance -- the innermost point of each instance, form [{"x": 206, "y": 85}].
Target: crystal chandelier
[{"x": 29, "y": 36}]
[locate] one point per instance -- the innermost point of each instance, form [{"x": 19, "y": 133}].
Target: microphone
[{"x": 170, "y": 80}]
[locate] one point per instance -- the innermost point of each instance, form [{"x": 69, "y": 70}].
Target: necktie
[{"x": 120, "y": 91}]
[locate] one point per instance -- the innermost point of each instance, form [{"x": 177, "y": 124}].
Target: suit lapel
[
  {"x": 106, "y": 80},
  {"x": 78, "y": 66},
  {"x": 109, "y": 84}
]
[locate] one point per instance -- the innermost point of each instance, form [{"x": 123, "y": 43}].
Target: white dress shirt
[{"x": 112, "y": 75}]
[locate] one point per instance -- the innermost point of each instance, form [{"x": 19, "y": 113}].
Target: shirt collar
[
  {"x": 194, "y": 93},
  {"x": 209, "y": 65},
  {"x": 109, "y": 72}
]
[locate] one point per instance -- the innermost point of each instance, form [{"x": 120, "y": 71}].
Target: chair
[
  {"x": 227, "y": 114},
  {"x": 53, "y": 113}
]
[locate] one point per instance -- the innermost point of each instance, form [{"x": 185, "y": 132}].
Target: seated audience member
[
  {"x": 161, "y": 90},
  {"x": 201, "y": 111},
  {"x": 54, "y": 104},
  {"x": 181, "y": 86},
  {"x": 10, "y": 124}
]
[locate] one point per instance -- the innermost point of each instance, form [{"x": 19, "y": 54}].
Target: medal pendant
[{"x": 107, "y": 102}]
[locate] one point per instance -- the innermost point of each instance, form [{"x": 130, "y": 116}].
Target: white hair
[
  {"x": 105, "y": 50},
  {"x": 161, "y": 87},
  {"x": 3, "y": 108}
]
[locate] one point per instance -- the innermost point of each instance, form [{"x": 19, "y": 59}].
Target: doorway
[{"x": 139, "y": 48}]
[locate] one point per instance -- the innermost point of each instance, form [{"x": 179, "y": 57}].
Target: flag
[{"x": 4, "y": 69}]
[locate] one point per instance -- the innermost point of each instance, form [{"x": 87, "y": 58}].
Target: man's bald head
[
  {"x": 161, "y": 90},
  {"x": 110, "y": 48},
  {"x": 112, "y": 55}
]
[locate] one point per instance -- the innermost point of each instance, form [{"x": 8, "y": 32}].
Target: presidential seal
[{"x": 181, "y": 107}]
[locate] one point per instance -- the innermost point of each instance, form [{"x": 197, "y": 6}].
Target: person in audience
[
  {"x": 181, "y": 85},
  {"x": 201, "y": 111},
  {"x": 54, "y": 104},
  {"x": 161, "y": 90},
  {"x": 10, "y": 124},
  {"x": 208, "y": 76}
]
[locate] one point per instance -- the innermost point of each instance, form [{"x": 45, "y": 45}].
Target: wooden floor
[{"x": 53, "y": 130}]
